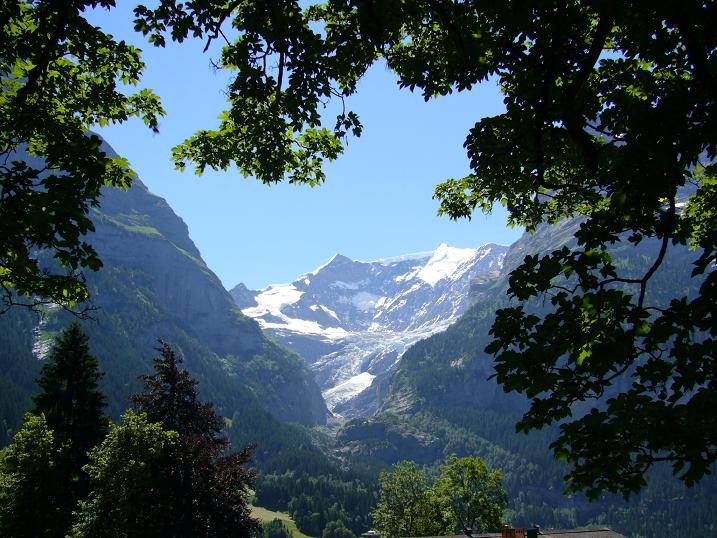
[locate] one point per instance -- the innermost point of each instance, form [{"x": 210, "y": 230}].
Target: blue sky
[{"x": 377, "y": 200}]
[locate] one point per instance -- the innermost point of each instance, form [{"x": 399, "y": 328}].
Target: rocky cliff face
[
  {"x": 139, "y": 232},
  {"x": 353, "y": 320},
  {"x": 155, "y": 285}
]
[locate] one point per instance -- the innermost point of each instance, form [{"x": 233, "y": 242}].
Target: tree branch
[
  {"x": 695, "y": 51},
  {"x": 571, "y": 117},
  {"x": 218, "y": 26},
  {"x": 661, "y": 254},
  {"x": 41, "y": 64},
  {"x": 280, "y": 76}
]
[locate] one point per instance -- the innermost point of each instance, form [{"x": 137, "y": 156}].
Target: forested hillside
[
  {"x": 155, "y": 285},
  {"x": 441, "y": 400}
]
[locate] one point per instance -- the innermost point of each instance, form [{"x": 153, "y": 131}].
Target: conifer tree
[
  {"x": 209, "y": 490},
  {"x": 71, "y": 400},
  {"x": 73, "y": 407}
]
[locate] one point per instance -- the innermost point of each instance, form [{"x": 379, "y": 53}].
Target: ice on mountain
[
  {"x": 365, "y": 301},
  {"x": 306, "y": 328},
  {"x": 445, "y": 262},
  {"x": 272, "y": 299},
  {"x": 416, "y": 256},
  {"x": 348, "y": 389},
  {"x": 330, "y": 313},
  {"x": 353, "y": 320},
  {"x": 325, "y": 265},
  {"x": 347, "y": 285}
]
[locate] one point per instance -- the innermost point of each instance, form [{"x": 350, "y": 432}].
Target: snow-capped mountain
[{"x": 352, "y": 320}]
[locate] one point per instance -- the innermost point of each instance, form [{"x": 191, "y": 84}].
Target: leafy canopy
[
  {"x": 610, "y": 117},
  {"x": 407, "y": 506},
  {"x": 130, "y": 492},
  {"x": 32, "y": 484},
  {"x": 466, "y": 496},
  {"x": 61, "y": 76},
  {"x": 473, "y": 495}
]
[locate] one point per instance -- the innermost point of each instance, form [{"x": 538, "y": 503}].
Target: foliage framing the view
[
  {"x": 61, "y": 76},
  {"x": 610, "y": 115}
]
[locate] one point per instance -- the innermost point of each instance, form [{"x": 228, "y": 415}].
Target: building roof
[
  {"x": 581, "y": 533},
  {"x": 602, "y": 532}
]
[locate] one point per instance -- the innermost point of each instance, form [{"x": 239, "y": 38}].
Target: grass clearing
[{"x": 264, "y": 515}]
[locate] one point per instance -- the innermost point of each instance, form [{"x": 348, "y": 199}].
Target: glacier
[{"x": 352, "y": 320}]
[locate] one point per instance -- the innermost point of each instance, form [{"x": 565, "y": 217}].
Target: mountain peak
[
  {"x": 336, "y": 259},
  {"x": 339, "y": 258},
  {"x": 353, "y": 319},
  {"x": 243, "y": 296}
]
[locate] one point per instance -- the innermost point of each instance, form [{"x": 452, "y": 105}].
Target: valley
[
  {"x": 517, "y": 329},
  {"x": 360, "y": 365}
]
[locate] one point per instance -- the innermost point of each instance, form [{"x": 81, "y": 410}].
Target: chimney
[{"x": 509, "y": 532}]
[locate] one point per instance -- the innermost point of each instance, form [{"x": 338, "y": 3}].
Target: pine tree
[
  {"x": 73, "y": 407},
  {"x": 209, "y": 491},
  {"x": 71, "y": 400}
]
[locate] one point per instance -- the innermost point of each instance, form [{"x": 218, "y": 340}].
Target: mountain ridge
[
  {"x": 353, "y": 319},
  {"x": 441, "y": 399},
  {"x": 154, "y": 285}
]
